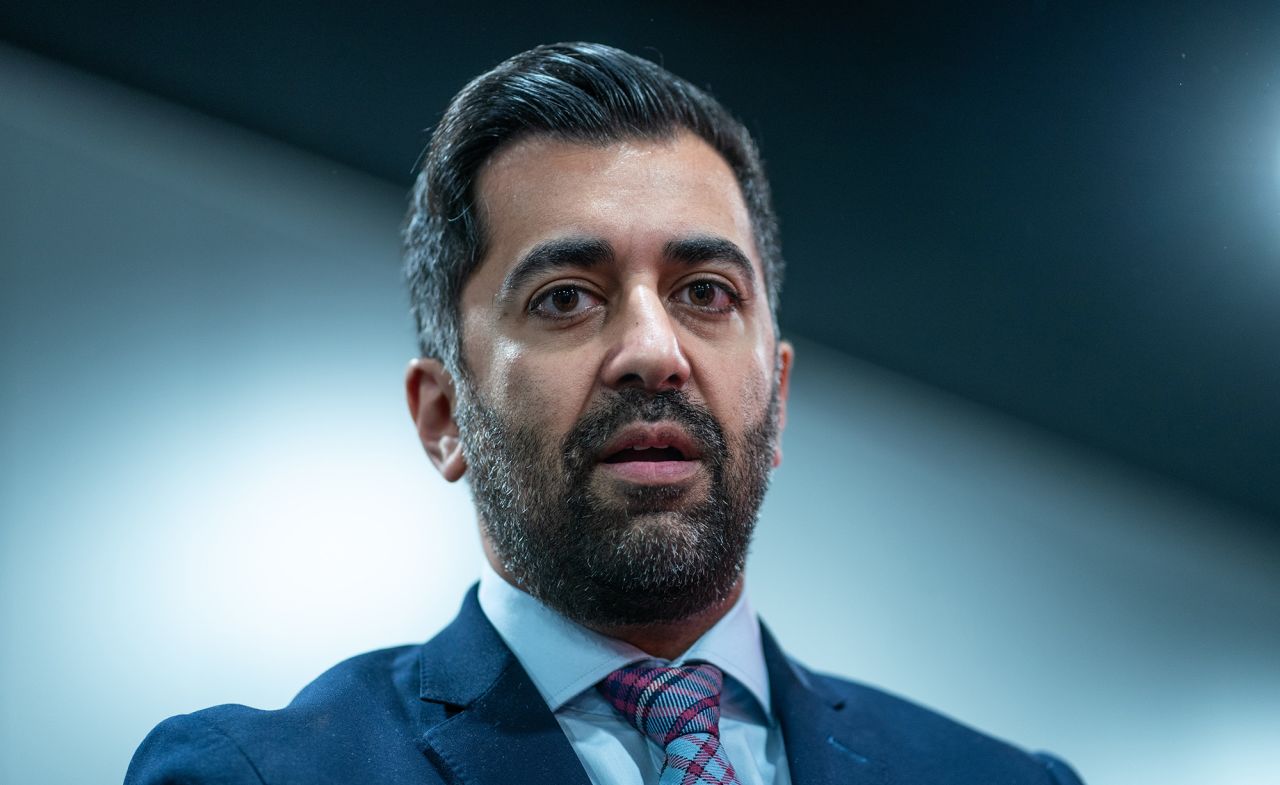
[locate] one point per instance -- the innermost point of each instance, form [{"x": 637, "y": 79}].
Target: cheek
[
  {"x": 754, "y": 400},
  {"x": 737, "y": 390},
  {"x": 756, "y": 377},
  {"x": 535, "y": 390}
]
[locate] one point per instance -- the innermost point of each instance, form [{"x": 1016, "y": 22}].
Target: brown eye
[
  {"x": 709, "y": 297},
  {"x": 702, "y": 294},
  {"x": 567, "y": 302},
  {"x": 564, "y": 300}
]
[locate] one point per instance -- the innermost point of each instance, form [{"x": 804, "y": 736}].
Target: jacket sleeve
[
  {"x": 190, "y": 750},
  {"x": 1059, "y": 772}
]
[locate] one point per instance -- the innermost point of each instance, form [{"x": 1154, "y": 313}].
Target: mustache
[{"x": 624, "y": 407}]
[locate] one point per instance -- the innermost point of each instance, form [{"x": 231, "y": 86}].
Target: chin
[{"x": 645, "y": 500}]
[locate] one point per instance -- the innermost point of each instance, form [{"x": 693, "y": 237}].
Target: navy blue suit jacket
[{"x": 461, "y": 710}]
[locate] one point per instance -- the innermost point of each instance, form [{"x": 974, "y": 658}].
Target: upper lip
[{"x": 653, "y": 436}]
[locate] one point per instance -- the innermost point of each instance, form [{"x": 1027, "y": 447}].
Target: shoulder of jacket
[
  {"x": 370, "y": 696},
  {"x": 191, "y": 749},
  {"x": 935, "y": 743}
]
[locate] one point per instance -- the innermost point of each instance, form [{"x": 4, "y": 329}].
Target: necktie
[{"x": 679, "y": 708}]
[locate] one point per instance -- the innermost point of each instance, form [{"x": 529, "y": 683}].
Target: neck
[{"x": 664, "y": 640}]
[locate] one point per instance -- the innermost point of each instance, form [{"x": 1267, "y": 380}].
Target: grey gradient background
[{"x": 211, "y": 490}]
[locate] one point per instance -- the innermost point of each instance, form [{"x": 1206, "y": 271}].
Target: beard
[{"x": 642, "y": 555}]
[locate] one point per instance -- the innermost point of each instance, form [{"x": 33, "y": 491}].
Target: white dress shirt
[{"x": 566, "y": 660}]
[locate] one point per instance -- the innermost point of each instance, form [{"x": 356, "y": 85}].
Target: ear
[
  {"x": 432, "y": 397},
  {"x": 786, "y": 356}
]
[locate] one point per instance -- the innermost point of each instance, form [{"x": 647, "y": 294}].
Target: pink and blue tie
[{"x": 679, "y": 708}]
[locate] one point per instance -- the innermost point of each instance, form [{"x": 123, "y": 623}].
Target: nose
[{"x": 646, "y": 351}]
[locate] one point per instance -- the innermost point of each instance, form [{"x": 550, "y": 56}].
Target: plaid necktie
[{"x": 679, "y": 708}]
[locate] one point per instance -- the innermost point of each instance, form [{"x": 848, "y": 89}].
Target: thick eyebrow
[
  {"x": 558, "y": 254},
  {"x": 700, "y": 248}
]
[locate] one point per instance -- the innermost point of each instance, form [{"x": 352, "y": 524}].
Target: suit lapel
[
  {"x": 824, "y": 741},
  {"x": 497, "y": 730},
  {"x": 489, "y": 725}
]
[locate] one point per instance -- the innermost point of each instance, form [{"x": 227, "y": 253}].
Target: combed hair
[{"x": 577, "y": 92}]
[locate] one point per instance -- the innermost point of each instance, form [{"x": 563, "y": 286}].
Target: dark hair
[{"x": 578, "y": 92}]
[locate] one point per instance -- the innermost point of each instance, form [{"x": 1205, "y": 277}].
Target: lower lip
[{"x": 652, "y": 472}]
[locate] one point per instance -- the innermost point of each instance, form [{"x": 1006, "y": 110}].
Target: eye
[
  {"x": 709, "y": 295},
  {"x": 563, "y": 302}
]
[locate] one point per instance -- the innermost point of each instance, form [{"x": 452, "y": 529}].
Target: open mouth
[
  {"x": 652, "y": 454},
  {"x": 645, "y": 455}
]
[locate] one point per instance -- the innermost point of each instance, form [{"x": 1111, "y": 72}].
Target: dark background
[{"x": 1068, "y": 212}]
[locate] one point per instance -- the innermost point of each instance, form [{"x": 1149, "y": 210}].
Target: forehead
[{"x": 636, "y": 194}]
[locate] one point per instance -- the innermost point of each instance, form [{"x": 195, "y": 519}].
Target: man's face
[{"x": 623, "y": 406}]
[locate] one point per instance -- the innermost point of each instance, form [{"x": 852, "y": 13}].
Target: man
[{"x": 595, "y": 268}]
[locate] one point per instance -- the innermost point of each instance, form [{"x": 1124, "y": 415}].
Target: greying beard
[{"x": 604, "y": 564}]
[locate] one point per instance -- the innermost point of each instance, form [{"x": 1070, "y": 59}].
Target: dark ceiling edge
[{"x": 1077, "y": 449}]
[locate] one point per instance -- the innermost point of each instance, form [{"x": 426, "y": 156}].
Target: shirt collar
[{"x": 563, "y": 658}]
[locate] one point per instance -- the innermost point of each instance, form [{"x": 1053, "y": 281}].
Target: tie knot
[{"x": 665, "y": 703}]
